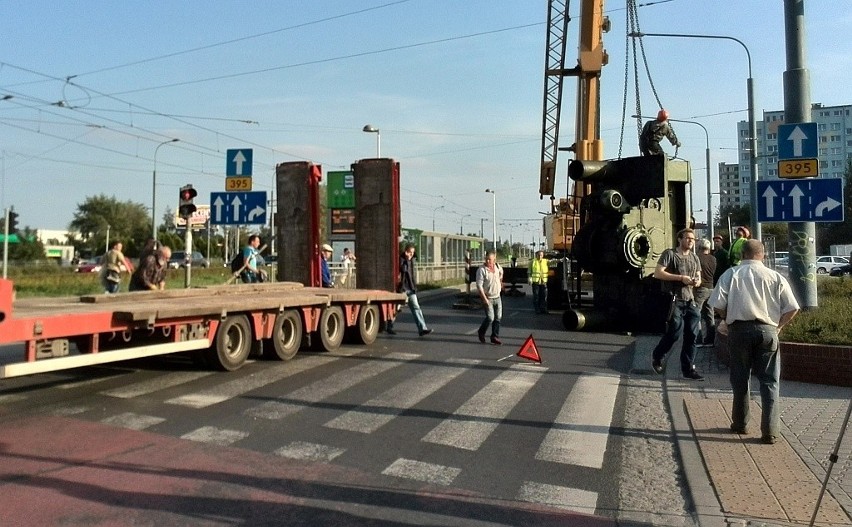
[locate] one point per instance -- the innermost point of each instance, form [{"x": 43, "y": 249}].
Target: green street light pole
[
  {"x": 154, "y": 190},
  {"x": 752, "y": 125}
]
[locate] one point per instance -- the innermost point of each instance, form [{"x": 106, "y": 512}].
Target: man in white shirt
[
  {"x": 489, "y": 282},
  {"x": 755, "y": 303}
]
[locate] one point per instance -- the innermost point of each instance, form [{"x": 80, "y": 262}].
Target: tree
[{"x": 126, "y": 221}]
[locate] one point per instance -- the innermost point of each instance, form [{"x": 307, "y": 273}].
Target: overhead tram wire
[{"x": 241, "y": 39}]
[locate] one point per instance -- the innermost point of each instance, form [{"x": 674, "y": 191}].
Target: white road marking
[
  {"x": 579, "y": 434},
  {"x": 133, "y": 421},
  {"x": 325, "y": 388},
  {"x": 231, "y": 389},
  {"x": 215, "y": 436},
  {"x": 309, "y": 451},
  {"x": 160, "y": 383},
  {"x": 420, "y": 471},
  {"x": 380, "y": 410},
  {"x": 577, "y": 500},
  {"x": 475, "y": 420}
]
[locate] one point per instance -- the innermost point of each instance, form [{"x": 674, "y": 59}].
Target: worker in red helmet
[{"x": 653, "y": 132}]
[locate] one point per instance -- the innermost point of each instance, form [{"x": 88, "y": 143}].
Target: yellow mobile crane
[
  {"x": 562, "y": 223},
  {"x": 620, "y": 214}
]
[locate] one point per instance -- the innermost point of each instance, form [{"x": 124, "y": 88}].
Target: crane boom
[{"x": 588, "y": 145}]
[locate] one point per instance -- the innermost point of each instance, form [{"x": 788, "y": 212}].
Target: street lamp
[
  {"x": 461, "y": 225},
  {"x": 154, "y": 189},
  {"x": 752, "y": 126},
  {"x": 494, "y": 213},
  {"x": 706, "y": 165},
  {"x": 370, "y": 129},
  {"x": 433, "y": 216}
]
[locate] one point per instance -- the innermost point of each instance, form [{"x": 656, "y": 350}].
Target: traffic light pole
[
  {"x": 5, "y": 240},
  {"x": 188, "y": 267}
]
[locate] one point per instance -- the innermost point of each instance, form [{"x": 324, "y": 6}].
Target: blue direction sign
[
  {"x": 238, "y": 208},
  {"x": 797, "y": 140},
  {"x": 818, "y": 200},
  {"x": 238, "y": 162}
]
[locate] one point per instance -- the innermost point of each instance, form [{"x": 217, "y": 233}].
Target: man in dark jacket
[
  {"x": 653, "y": 132},
  {"x": 408, "y": 286}
]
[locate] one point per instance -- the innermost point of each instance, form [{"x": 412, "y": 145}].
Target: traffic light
[
  {"x": 13, "y": 221},
  {"x": 187, "y": 207}
]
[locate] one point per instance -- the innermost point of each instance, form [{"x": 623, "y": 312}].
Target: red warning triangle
[{"x": 529, "y": 350}]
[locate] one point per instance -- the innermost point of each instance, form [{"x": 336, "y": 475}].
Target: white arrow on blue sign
[
  {"x": 797, "y": 141},
  {"x": 238, "y": 208},
  {"x": 817, "y": 200},
  {"x": 238, "y": 162}
]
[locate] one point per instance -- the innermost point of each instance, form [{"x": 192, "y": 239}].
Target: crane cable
[{"x": 633, "y": 27}]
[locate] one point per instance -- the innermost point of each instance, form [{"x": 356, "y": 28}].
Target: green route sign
[{"x": 341, "y": 190}]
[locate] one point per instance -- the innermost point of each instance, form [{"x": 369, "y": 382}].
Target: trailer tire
[
  {"x": 366, "y": 329},
  {"x": 329, "y": 334},
  {"x": 232, "y": 344},
  {"x": 286, "y": 335}
]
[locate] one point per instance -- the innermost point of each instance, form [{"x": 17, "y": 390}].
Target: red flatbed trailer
[{"x": 221, "y": 325}]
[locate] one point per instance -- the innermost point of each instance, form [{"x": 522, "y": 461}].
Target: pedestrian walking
[
  {"x": 702, "y": 294},
  {"x": 408, "y": 285},
  {"x": 325, "y": 253},
  {"x": 467, "y": 266},
  {"x": 755, "y": 302},
  {"x": 721, "y": 255},
  {"x": 679, "y": 271},
  {"x": 150, "y": 275},
  {"x": 112, "y": 267},
  {"x": 250, "y": 273},
  {"x": 489, "y": 282},
  {"x": 347, "y": 261},
  {"x": 538, "y": 280},
  {"x": 735, "y": 254}
]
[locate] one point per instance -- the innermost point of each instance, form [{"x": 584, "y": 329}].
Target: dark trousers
[
  {"x": 684, "y": 323},
  {"x": 539, "y": 292},
  {"x": 754, "y": 349}
]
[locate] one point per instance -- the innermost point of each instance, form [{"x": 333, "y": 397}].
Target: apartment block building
[{"x": 834, "y": 126}]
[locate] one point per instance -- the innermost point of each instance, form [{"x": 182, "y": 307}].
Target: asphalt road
[{"x": 435, "y": 430}]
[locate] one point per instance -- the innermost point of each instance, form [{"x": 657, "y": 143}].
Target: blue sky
[{"x": 455, "y": 86}]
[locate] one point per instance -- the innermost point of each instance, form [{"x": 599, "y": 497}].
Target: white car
[{"x": 824, "y": 264}]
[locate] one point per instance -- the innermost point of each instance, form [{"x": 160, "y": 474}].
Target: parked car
[
  {"x": 842, "y": 270},
  {"x": 825, "y": 264},
  {"x": 88, "y": 266},
  {"x": 178, "y": 260}
]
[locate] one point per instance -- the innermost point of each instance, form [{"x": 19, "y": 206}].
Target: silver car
[{"x": 824, "y": 264}]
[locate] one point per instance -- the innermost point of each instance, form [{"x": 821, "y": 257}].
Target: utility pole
[{"x": 797, "y": 109}]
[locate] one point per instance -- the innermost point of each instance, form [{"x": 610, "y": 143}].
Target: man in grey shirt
[{"x": 679, "y": 271}]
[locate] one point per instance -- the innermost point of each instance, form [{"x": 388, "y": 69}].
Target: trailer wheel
[
  {"x": 287, "y": 334},
  {"x": 367, "y": 328},
  {"x": 330, "y": 332},
  {"x": 232, "y": 345}
]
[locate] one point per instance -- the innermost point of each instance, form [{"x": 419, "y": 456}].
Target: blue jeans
[
  {"x": 493, "y": 314},
  {"x": 540, "y": 297},
  {"x": 414, "y": 306},
  {"x": 685, "y": 322},
  {"x": 754, "y": 348}
]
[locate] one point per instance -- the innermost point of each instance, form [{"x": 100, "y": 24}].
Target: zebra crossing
[{"x": 578, "y": 433}]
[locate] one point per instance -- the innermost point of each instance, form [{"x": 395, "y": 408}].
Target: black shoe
[
  {"x": 425, "y": 332},
  {"x": 482, "y": 337},
  {"x": 658, "y": 366},
  {"x": 739, "y": 429},
  {"x": 693, "y": 375},
  {"x": 496, "y": 341},
  {"x": 768, "y": 440},
  {"x": 391, "y": 332}
]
